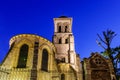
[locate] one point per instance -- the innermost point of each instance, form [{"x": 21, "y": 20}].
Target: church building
[{"x": 32, "y": 57}]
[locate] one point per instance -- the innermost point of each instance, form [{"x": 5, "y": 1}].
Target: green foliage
[{"x": 109, "y": 52}]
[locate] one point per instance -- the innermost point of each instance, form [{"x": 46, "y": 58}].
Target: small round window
[{"x": 98, "y": 61}]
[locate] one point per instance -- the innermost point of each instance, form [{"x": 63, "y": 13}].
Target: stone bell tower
[{"x": 63, "y": 40}]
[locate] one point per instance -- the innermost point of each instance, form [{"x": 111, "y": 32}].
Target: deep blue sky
[{"x": 36, "y": 16}]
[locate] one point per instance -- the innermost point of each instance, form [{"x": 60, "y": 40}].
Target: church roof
[{"x": 63, "y": 17}]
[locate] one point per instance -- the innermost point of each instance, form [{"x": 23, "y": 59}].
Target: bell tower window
[
  {"x": 60, "y": 41},
  {"x": 22, "y": 60},
  {"x": 66, "y": 27},
  {"x": 66, "y": 41},
  {"x": 59, "y": 29}
]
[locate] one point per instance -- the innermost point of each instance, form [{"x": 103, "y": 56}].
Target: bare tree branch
[{"x": 101, "y": 39}]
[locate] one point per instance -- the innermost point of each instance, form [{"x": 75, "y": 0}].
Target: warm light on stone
[{"x": 32, "y": 57}]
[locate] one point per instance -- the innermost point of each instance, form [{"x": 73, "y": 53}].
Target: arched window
[
  {"x": 66, "y": 41},
  {"x": 44, "y": 65},
  {"x": 60, "y": 41},
  {"x": 66, "y": 29},
  {"x": 59, "y": 29},
  {"x": 62, "y": 76},
  {"x": 22, "y": 60}
]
